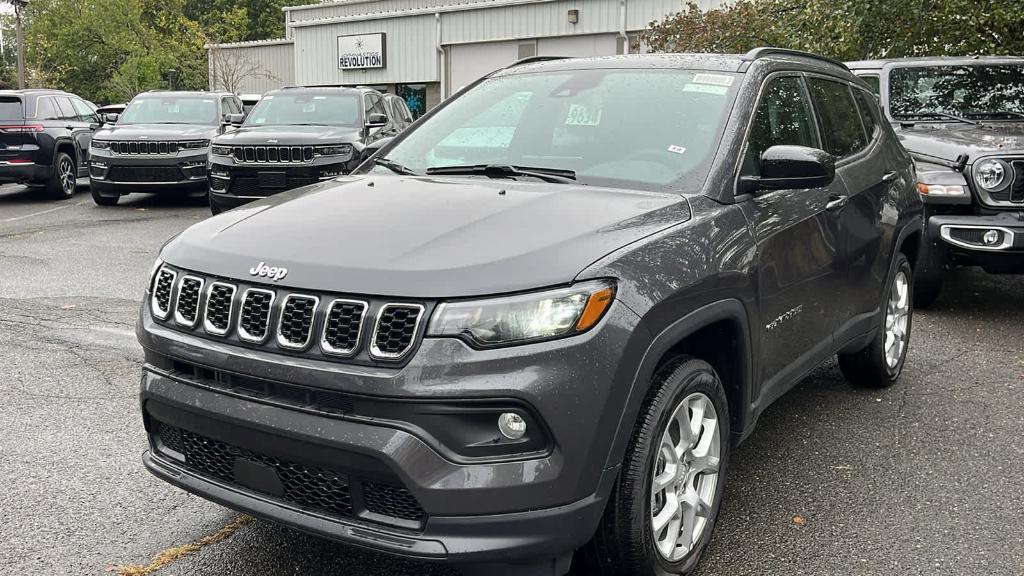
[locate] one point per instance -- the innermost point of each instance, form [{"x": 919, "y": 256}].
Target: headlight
[
  {"x": 221, "y": 150},
  {"x": 100, "y": 144},
  {"x": 334, "y": 150},
  {"x": 193, "y": 144},
  {"x": 992, "y": 175},
  {"x": 525, "y": 317}
]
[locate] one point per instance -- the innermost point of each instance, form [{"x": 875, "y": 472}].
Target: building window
[
  {"x": 527, "y": 49},
  {"x": 415, "y": 96}
]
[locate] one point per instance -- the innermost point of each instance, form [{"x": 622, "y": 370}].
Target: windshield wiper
[
  {"x": 937, "y": 114},
  {"x": 554, "y": 175},
  {"x": 394, "y": 166}
]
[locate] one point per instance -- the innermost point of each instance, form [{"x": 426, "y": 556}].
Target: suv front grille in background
[
  {"x": 169, "y": 147},
  {"x": 145, "y": 174},
  {"x": 273, "y": 154},
  {"x": 1015, "y": 192},
  {"x": 311, "y": 487},
  {"x": 315, "y": 324}
]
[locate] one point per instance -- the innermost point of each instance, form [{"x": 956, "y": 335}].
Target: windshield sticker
[
  {"x": 319, "y": 97},
  {"x": 705, "y": 89},
  {"x": 677, "y": 149},
  {"x": 582, "y": 115},
  {"x": 713, "y": 79}
]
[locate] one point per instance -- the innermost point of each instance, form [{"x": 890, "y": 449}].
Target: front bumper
[
  {"x": 474, "y": 510},
  {"x": 235, "y": 183},
  {"x": 962, "y": 239},
  {"x": 123, "y": 174}
]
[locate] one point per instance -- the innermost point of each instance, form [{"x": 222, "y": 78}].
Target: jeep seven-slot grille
[
  {"x": 296, "y": 325},
  {"x": 273, "y": 154},
  {"x": 362, "y": 332},
  {"x": 307, "y": 485},
  {"x": 395, "y": 330},
  {"x": 144, "y": 147}
]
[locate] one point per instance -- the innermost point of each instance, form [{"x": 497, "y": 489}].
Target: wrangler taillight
[{"x": 22, "y": 128}]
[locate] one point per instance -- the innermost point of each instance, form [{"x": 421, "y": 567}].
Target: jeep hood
[
  {"x": 423, "y": 237},
  {"x": 947, "y": 140},
  {"x": 156, "y": 132},
  {"x": 289, "y": 135}
]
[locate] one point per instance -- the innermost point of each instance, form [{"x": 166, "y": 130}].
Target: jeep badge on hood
[{"x": 265, "y": 271}]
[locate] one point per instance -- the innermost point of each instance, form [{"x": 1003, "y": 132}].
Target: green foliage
[
  {"x": 110, "y": 50},
  {"x": 847, "y": 30}
]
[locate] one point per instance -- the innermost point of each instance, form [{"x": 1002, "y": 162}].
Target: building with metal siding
[
  {"x": 431, "y": 48},
  {"x": 251, "y": 67}
]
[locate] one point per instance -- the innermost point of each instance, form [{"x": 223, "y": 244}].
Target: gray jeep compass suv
[{"x": 529, "y": 330}]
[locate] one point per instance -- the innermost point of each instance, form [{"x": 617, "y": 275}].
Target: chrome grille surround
[
  {"x": 163, "y": 288},
  {"x": 307, "y": 314},
  {"x": 326, "y": 344},
  {"x": 375, "y": 350},
  {"x": 245, "y": 334},
  {"x": 215, "y": 295},
  {"x": 190, "y": 295},
  {"x": 273, "y": 154}
]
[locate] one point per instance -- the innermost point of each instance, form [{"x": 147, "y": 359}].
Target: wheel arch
[
  {"x": 698, "y": 334},
  {"x": 68, "y": 146}
]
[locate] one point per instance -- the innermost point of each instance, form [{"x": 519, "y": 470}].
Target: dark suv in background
[
  {"x": 159, "y": 144},
  {"x": 962, "y": 119},
  {"x": 538, "y": 321},
  {"x": 44, "y": 139},
  {"x": 294, "y": 137}
]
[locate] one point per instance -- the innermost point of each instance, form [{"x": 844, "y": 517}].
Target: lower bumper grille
[
  {"x": 311, "y": 487},
  {"x": 246, "y": 186},
  {"x": 145, "y": 174}
]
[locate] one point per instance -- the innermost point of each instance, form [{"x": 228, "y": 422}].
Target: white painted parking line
[{"x": 40, "y": 213}]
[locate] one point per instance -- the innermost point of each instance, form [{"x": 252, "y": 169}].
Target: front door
[{"x": 798, "y": 245}]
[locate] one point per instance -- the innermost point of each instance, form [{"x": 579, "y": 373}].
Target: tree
[
  {"x": 847, "y": 30},
  {"x": 230, "y": 68}
]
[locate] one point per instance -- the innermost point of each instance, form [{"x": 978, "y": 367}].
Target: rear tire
[
  {"x": 102, "y": 200},
  {"x": 639, "y": 534},
  {"x": 878, "y": 365},
  {"x": 64, "y": 180}
]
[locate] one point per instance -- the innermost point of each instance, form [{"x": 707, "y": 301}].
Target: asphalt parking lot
[{"x": 923, "y": 478}]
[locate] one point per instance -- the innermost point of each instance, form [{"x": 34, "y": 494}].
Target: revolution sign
[{"x": 361, "y": 51}]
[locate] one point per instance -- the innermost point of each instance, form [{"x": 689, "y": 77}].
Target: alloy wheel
[
  {"x": 897, "y": 317},
  {"x": 685, "y": 477},
  {"x": 67, "y": 175}
]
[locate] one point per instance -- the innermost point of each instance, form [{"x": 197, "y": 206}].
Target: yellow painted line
[{"x": 176, "y": 553}]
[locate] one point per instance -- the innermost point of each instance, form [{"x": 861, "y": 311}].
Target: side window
[
  {"x": 838, "y": 116},
  {"x": 85, "y": 112},
  {"x": 374, "y": 105},
  {"x": 868, "y": 107},
  {"x": 783, "y": 117},
  {"x": 872, "y": 81},
  {"x": 403, "y": 109},
  {"x": 46, "y": 109},
  {"x": 67, "y": 111}
]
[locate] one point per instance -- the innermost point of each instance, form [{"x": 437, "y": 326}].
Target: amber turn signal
[{"x": 595, "y": 308}]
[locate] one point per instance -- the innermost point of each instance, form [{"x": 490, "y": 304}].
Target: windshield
[
  {"x": 306, "y": 109},
  {"x": 965, "y": 91},
  {"x": 170, "y": 110},
  {"x": 649, "y": 129}
]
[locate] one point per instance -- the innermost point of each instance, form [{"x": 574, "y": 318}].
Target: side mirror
[
  {"x": 94, "y": 126},
  {"x": 791, "y": 168},
  {"x": 110, "y": 118},
  {"x": 234, "y": 119},
  {"x": 376, "y": 119}
]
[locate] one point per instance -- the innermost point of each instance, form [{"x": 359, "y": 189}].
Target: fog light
[
  {"x": 991, "y": 238},
  {"x": 512, "y": 425}
]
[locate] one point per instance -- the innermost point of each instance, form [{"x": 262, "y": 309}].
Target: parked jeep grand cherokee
[
  {"x": 294, "y": 137},
  {"x": 962, "y": 119},
  {"x": 44, "y": 139},
  {"x": 538, "y": 321},
  {"x": 159, "y": 144}
]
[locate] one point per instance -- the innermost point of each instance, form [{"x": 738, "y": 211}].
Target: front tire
[
  {"x": 64, "y": 180},
  {"x": 662, "y": 511},
  {"x": 878, "y": 365}
]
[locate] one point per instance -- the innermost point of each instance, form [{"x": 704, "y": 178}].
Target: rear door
[
  {"x": 75, "y": 129},
  {"x": 86, "y": 117},
  {"x": 851, "y": 132},
  {"x": 798, "y": 243}
]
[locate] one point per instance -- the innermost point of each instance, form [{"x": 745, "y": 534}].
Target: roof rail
[
  {"x": 532, "y": 59},
  {"x": 772, "y": 51}
]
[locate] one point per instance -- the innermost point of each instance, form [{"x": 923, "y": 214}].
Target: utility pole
[{"x": 18, "y": 5}]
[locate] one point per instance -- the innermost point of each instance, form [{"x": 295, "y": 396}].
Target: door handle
[
  {"x": 835, "y": 202},
  {"x": 889, "y": 176}
]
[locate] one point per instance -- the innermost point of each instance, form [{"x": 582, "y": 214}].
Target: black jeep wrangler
[
  {"x": 962, "y": 119},
  {"x": 538, "y": 321}
]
